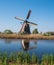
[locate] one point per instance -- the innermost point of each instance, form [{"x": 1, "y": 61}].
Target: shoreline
[{"x": 26, "y": 36}]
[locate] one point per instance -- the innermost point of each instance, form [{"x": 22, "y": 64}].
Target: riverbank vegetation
[
  {"x": 21, "y": 58},
  {"x": 26, "y": 36},
  {"x": 34, "y": 35}
]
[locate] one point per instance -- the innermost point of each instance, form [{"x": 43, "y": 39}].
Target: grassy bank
[
  {"x": 21, "y": 58},
  {"x": 26, "y": 36}
]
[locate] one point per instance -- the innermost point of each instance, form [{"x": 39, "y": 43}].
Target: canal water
[{"x": 38, "y": 47}]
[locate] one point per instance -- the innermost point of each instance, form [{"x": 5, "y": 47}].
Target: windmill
[{"x": 25, "y": 27}]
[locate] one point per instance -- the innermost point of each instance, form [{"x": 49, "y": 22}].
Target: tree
[
  {"x": 7, "y": 32},
  {"x": 35, "y": 31},
  {"x": 48, "y": 33}
]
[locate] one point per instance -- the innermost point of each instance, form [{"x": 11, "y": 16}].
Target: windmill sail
[
  {"x": 32, "y": 23},
  {"x": 25, "y": 27},
  {"x": 19, "y": 18},
  {"x": 28, "y": 14}
]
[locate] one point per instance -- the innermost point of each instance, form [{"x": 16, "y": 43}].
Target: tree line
[{"x": 35, "y": 31}]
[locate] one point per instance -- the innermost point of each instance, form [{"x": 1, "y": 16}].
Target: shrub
[
  {"x": 7, "y": 32},
  {"x": 35, "y": 31}
]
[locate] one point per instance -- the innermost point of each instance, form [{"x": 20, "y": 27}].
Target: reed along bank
[{"x": 26, "y": 36}]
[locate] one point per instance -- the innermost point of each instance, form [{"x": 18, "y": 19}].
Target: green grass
[{"x": 21, "y": 58}]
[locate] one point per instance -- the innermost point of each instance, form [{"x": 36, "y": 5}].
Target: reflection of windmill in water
[
  {"x": 25, "y": 27},
  {"x": 26, "y": 45}
]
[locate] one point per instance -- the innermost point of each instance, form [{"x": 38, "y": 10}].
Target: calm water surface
[{"x": 38, "y": 47}]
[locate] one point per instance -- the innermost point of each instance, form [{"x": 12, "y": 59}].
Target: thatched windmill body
[{"x": 25, "y": 27}]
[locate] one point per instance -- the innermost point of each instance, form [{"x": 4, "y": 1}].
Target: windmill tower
[{"x": 25, "y": 27}]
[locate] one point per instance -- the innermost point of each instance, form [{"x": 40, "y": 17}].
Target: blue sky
[{"x": 42, "y": 14}]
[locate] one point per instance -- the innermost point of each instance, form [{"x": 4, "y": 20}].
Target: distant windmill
[{"x": 25, "y": 27}]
